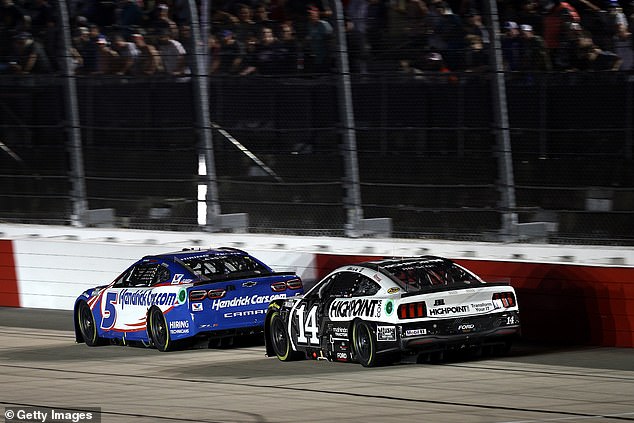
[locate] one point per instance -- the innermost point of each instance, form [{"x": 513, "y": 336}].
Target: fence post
[
  {"x": 352, "y": 199},
  {"x": 506, "y": 183},
  {"x": 77, "y": 175},
  {"x": 201, "y": 93}
]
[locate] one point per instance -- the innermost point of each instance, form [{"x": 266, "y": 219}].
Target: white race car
[{"x": 374, "y": 312}]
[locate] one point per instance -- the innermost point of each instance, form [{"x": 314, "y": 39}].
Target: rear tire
[
  {"x": 87, "y": 325},
  {"x": 159, "y": 332},
  {"x": 280, "y": 339},
  {"x": 364, "y": 344}
]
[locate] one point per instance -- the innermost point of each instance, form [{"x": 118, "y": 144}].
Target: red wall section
[
  {"x": 9, "y": 296},
  {"x": 569, "y": 303},
  {"x": 562, "y": 303}
]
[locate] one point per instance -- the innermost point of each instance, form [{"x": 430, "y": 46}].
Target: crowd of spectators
[{"x": 273, "y": 37}]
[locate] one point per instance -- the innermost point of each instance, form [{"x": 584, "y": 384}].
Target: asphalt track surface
[{"x": 41, "y": 365}]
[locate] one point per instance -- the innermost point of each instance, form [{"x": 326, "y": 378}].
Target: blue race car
[{"x": 170, "y": 300}]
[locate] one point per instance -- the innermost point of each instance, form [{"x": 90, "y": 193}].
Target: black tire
[
  {"x": 280, "y": 339},
  {"x": 159, "y": 332},
  {"x": 364, "y": 344},
  {"x": 87, "y": 325}
]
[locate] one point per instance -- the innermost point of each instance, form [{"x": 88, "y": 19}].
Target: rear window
[
  {"x": 222, "y": 267},
  {"x": 414, "y": 276}
]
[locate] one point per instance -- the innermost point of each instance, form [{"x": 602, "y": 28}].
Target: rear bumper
[{"x": 435, "y": 342}]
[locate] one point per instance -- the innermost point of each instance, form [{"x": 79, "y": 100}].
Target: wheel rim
[
  {"x": 363, "y": 343},
  {"x": 159, "y": 330},
  {"x": 86, "y": 322},
  {"x": 280, "y": 337}
]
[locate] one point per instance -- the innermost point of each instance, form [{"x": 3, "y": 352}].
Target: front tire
[
  {"x": 87, "y": 326},
  {"x": 280, "y": 339},
  {"x": 159, "y": 332}
]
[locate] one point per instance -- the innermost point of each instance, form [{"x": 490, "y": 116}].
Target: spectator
[
  {"x": 42, "y": 18},
  {"x": 86, "y": 46},
  {"x": 557, "y": 15},
  {"x": 163, "y": 22},
  {"x": 130, "y": 16},
  {"x": 250, "y": 60},
  {"x": 12, "y": 22},
  {"x": 107, "y": 58},
  {"x": 213, "y": 45},
  {"x": 262, "y": 19},
  {"x": 356, "y": 27},
  {"x": 268, "y": 54},
  {"x": 624, "y": 48},
  {"x": 613, "y": 19},
  {"x": 476, "y": 56},
  {"x": 602, "y": 60},
  {"x": 377, "y": 23},
  {"x": 231, "y": 54},
  {"x": 474, "y": 26},
  {"x": 186, "y": 38},
  {"x": 449, "y": 30},
  {"x": 28, "y": 56},
  {"x": 291, "y": 58},
  {"x": 172, "y": 54},
  {"x": 567, "y": 56},
  {"x": 418, "y": 28},
  {"x": 148, "y": 60},
  {"x": 534, "y": 54},
  {"x": 246, "y": 28},
  {"x": 319, "y": 37},
  {"x": 511, "y": 47},
  {"x": 127, "y": 54},
  {"x": 529, "y": 14},
  {"x": 435, "y": 69}
]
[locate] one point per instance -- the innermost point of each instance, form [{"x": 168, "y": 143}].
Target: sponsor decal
[
  {"x": 415, "y": 332},
  {"x": 244, "y": 313},
  {"x": 245, "y": 301},
  {"x": 249, "y": 284},
  {"x": 345, "y": 308},
  {"x": 389, "y": 307},
  {"x": 342, "y": 356},
  {"x": 177, "y": 278},
  {"x": 441, "y": 311},
  {"x": 182, "y": 296},
  {"x": 385, "y": 333},
  {"x": 439, "y": 302},
  {"x": 179, "y": 324},
  {"x": 393, "y": 290},
  {"x": 466, "y": 327},
  {"x": 145, "y": 298},
  {"x": 482, "y": 307},
  {"x": 197, "y": 306},
  {"x": 340, "y": 332},
  {"x": 376, "y": 277}
]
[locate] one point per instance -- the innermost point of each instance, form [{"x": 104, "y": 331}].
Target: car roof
[
  {"x": 188, "y": 253},
  {"x": 399, "y": 261}
]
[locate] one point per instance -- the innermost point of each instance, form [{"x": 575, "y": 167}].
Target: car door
[{"x": 310, "y": 317}]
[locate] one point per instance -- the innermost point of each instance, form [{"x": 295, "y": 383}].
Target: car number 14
[{"x": 307, "y": 325}]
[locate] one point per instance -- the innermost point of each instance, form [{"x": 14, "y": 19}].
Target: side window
[
  {"x": 145, "y": 274},
  {"x": 342, "y": 284},
  {"x": 163, "y": 274},
  {"x": 365, "y": 287}
]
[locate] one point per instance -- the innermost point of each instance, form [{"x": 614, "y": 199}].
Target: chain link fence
[{"x": 426, "y": 150}]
